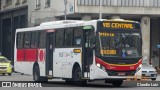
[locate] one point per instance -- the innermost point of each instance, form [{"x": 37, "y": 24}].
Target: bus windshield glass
[{"x": 120, "y": 44}]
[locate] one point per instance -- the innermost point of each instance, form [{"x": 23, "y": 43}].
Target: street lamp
[
  {"x": 65, "y": 11},
  {"x": 100, "y": 10}
]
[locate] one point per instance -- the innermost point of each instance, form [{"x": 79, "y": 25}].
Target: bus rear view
[{"x": 118, "y": 51}]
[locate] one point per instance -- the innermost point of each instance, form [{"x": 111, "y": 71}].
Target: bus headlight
[
  {"x": 98, "y": 65},
  {"x": 139, "y": 67},
  {"x": 101, "y": 67}
]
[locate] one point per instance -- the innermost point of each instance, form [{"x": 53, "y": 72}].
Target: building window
[
  {"x": 0, "y": 5},
  {"x": 24, "y": 1},
  {"x": 17, "y": 2},
  {"x": 47, "y": 3},
  {"x": 38, "y": 4},
  {"x": 8, "y": 2}
]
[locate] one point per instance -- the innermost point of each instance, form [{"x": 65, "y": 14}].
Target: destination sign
[
  {"x": 108, "y": 51},
  {"x": 119, "y": 25}
]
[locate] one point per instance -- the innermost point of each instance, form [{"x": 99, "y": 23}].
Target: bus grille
[
  {"x": 3, "y": 67},
  {"x": 127, "y": 73}
]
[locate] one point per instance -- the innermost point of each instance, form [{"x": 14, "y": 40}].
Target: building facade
[
  {"x": 147, "y": 12},
  {"x": 13, "y": 15}
]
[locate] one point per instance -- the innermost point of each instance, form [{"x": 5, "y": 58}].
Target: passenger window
[
  {"x": 42, "y": 39},
  {"x": 59, "y": 37},
  {"x": 27, "y": 40},
  {"x": 19, "y": 40},
  {"x": 69, "y": 37},
  {"x": 34, "y": 40},
  {"x": 78, "y": 36}
]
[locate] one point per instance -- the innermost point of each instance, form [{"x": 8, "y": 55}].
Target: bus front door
[
  {"x": 87, "y": 53},
  {"x": 49, "y": 54}
]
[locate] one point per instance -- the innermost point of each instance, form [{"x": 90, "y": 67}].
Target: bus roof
[{"x": 69, "y": 23}]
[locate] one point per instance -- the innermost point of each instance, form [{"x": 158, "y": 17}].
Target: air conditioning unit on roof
[{"x": 60, "y": 22}]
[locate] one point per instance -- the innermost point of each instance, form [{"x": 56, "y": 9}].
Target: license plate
[
  {"x": 121, "y": 73},
  {"x": 2, "y": 71},
  {"x": 148, "y": 74}
]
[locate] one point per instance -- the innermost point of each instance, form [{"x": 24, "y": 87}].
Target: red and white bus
[{"x": 81, "y": 51}]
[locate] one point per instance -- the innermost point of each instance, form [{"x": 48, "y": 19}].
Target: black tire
[
  {"x": 37, "y": 77},
  {"x": 9, "y": 74},
  {"x": 153, "y": 79},
  {"x": 36, "y": 74},
  {"x": 69, "y": 81},
  {"x": 3, "y": 74},
  {"x": 117, "y": 83},
  {"x": 77, "y": 75}
]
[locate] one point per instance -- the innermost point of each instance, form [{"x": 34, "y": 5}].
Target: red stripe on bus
[
  {"x": 31, "y": 55},
  {"x": 27, "y": 55},
  {"x": 20, "y": 54},
  {"x": 117, "y": 67}
]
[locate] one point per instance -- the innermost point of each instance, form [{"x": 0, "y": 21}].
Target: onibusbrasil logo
[{"x": 21, "y": 84}]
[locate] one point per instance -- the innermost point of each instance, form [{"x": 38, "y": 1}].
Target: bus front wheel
[
  {"x": 77, "y": 75},
  {"x": 117, "y": 83}
]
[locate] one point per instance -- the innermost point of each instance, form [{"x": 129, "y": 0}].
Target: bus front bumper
[{"x": 101, "y": 74}]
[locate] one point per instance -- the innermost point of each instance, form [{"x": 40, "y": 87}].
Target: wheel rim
[
  {"x": 77, "y": 74},
  {"x": 35, "y": 76}
]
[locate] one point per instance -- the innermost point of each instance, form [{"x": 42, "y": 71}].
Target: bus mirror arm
[{"x": 93, "y": 47}]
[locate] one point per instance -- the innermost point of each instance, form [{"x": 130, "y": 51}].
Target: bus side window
[
  {"x": 27, "y": 40},
  {"x": 59, "y": 38},
  {"x": 77, "y": 37},
  {"x": 34, "y": 40},
  {"x": 19, "y": 40},
  {"x": 68, "y": 37},
  {"x": 42, "y": 39}
]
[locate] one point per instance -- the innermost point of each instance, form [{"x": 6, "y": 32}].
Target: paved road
[{"x": 57, "y": 84}]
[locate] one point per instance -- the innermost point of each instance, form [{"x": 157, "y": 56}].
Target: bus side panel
[
  {"x": 42, "y": 68},
  {"x": 64, "y": 59},
  {"x": 24, "y": 67}
]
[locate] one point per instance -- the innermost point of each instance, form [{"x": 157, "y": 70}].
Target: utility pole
[
  {"x": 65, "y": 11},
  {"x": 100, "y": 9}
]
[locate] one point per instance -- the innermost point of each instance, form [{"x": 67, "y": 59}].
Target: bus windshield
[{"x": 120, "y": 44}]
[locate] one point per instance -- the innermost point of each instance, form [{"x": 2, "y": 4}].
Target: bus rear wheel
[
  {"x": 37, "y": 77},
  {"x": 36, "y": 74},
  {"x": 77, "y": 74}
]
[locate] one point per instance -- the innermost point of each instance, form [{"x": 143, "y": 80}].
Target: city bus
[{"x": 80, "y": 51}]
